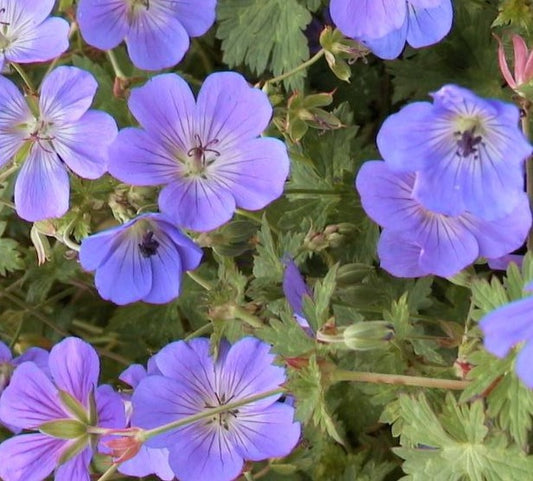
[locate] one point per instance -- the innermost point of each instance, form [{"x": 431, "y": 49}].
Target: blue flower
[
  {"x": 469, "y": 152},
  {"x": 417, "y": 241},
  {"x": 28, "y": 35},
  {"x": 191, "y": 381},
  {"x": 156, "y": 31},
  {"x": 140, "y": 260},
  {"x": 207, "y": 152},
  {"x": 385, "y": 25},
  {"x": 508, "y": 326},
  {"x": 62, "y": 134},
  {"x": 58, "y": 406},
  {"x": 295, "y": 288}
]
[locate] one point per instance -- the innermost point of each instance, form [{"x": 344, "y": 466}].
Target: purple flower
[
  {"x": 207, "y": 152},
  {"x": 417, "y": 242},
  {"x": 8, "y": 363},
  {"x": 140, "y": 260},
  {"x": 503, "y": 262},
  {"x": 469, "y": 152},
  {"x": 60, "y": 407},
  {"x": 384, "y": 26},
  {"x": 156, "y": 31},
  {"x": 507, "y": 326},
  {"x": 28, "y": 35},
  {"x": 62, "y": 134},
  {"x": 148, "y": 460},
  {"x": 191, "y": 381},
  {"x": 295, "y": 288}
]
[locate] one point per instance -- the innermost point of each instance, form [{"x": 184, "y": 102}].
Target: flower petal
[
  {"x": 75, "y": 367},
  {"x": 42, "y": 186},
  {"x": 96, "y": 248},
  {"x": 27, "y": 11},
  {"x": 29, "y": 457},
  {"x": 75, "y": 469},
  {"x": 125, "y": 276},
  {"x": 83, "y": 145},
  {"x": 66, "y": 94},
  {"x": 266, "y": 433},
  {"x": 197, "y": 204},
  {"x": 196, "y": 16},
  {"x": 166, "y": 273},
  {"x": 133, "y": 374},
  {"x": 429, "y": 25},
  {"x": 369, "y": 19},
  {"x": 36, "y": 355},
  {"x": 136, "y": 157},
  {"x": 156, "y": 40},
  {"x": 254, "y": 172},
  {"x": 229, "y": 110},
  {"x": 399, "y": 254},
  {"x": 524, "y": 361},
  {"x": 506, "y": 326},
  {"x": 103, "y": 24},
  {"x": 111, "y": 413},
  {"x": 148, "y": 461},
  {"x": 31, "y": 399},
  {"x": 248, "y": 370},
  {"x": 389, "y": 46},
  {"x": 39, "y": 43}
]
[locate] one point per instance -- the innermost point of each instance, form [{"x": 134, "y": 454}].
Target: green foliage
[
  {"x": 455, "y": 445},
  {"x": 264, "y": 35},
  {"x": 10, "y": 259}
]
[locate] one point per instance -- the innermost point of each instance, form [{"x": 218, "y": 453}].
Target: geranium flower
[
  {"x": 508, "y": 326},
  {"x": 156, "y": 31},
  {"x": 147, "y": 460},
  {"x": 8, "y": 363},
  {"x": 62, "y": 134},
  {"x": 27, "y": 34},
  {"x": 384, "y": 26},
  {"x": 59, "y": 408},
  {"x": 469, "y": 152},
  {"x": 192, "y": 381},
  {"x": 142, "y": 259},
  {"x": 207, "y": 152},
  {"x": 417, "y": 241},
  {"x": 295, "y": 288}
]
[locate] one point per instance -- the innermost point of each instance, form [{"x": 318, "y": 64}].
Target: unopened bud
[{"x": 368, "y": 335}]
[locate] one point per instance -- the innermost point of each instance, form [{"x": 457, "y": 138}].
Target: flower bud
[
  {"x": 368, "y": 335},
  {"x": 522, "y": 82}
]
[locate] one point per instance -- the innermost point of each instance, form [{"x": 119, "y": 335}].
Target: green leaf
[
  {"x": 455, "y": 446},
  {"x": 264, "y": 35},
  {"x": 10, "y": 259}
]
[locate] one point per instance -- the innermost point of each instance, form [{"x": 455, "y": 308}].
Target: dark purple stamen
[
  {"x": 148, "y": 245},
  {"x": 467, "y": 142}
]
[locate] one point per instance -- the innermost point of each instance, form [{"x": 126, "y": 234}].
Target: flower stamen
[{"x": 148, "y": 245}]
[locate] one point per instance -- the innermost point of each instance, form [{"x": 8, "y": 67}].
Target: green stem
[
  {"x": 200, "y": 280},
  {"x": 243, "y": 315},
  {"x": 109, "y": 473},
  {"x": 24, "y": 76},
  {"x": 17, "y": 334},
  {"x": 300, "y": 67},
  {"x": 256, "y": 218},
  {"x": 150, "y": 433},
  {"x": 114, "y": 63},
  {"x": 202, "y": 330},
  {"x": 398, "y": 379},
  {"x": 6, "y": 173}
]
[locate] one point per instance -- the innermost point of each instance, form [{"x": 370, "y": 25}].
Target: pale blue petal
[{"x": 103, "y": 24}]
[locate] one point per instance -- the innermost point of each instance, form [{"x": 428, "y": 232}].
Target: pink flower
[{"x": 523, "y": 64}]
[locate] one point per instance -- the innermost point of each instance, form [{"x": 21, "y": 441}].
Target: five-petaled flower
[
  {"x": 385, "y": 25},
  {"x": 27, "y": 34},
  {"x": 207, "y": 152},
  {"x": 156, "y": 31},
  {"x": 469, "y": 152},
  {"x": 59, "y": 407},
  {"x": 142, "y": 259},
  {"x": 58, "y": 133},
  {"x": 417, "y": 241},
  {"x": 192, "y": 382}
]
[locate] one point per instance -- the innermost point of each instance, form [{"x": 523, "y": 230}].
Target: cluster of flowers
[
  {"x": 206, "y": 152},
  {"x": 451, "y": 187},
  {"x": 384, "y": 26},
  {"x": 55, "y": 397}
]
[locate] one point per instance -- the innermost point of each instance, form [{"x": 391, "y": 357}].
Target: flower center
[
  {"x": 148, "y": 245},
  {"x": 467, "y": 142},
  {"x": 224, "y": 419},
  {"x": 201, "y": 156},
  {"x": 40, "y": 131},
  {"x": 137, "y": 6}
]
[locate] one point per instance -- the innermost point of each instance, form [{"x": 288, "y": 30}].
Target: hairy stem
[{"x": 300, "y": 67}]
